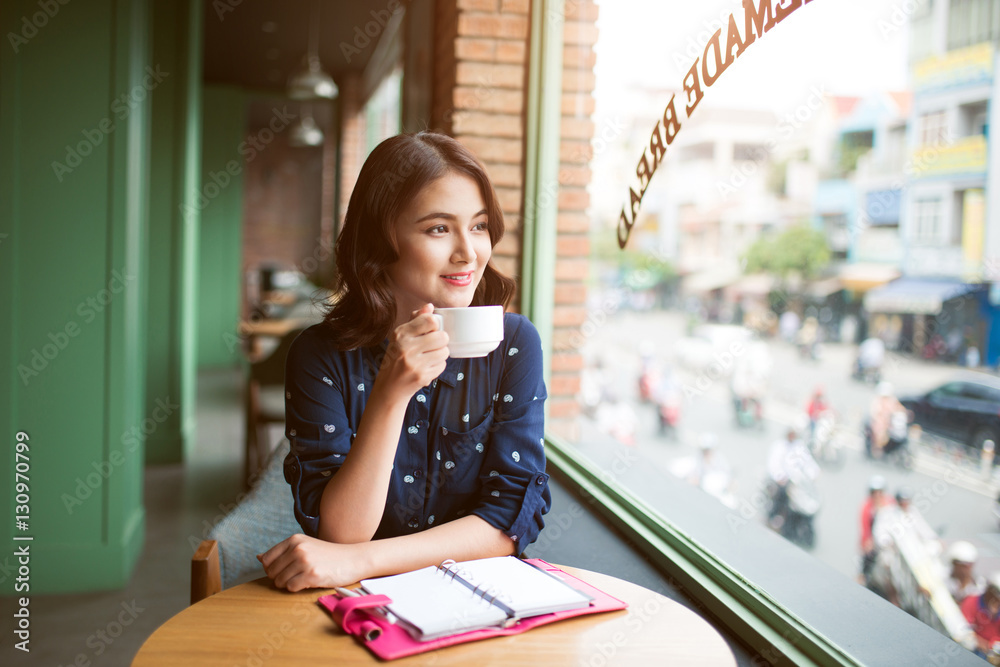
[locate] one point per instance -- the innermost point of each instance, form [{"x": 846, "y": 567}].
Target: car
[
  {"x": 712, "y": 347},
  {"x": 966, "y": 408}
]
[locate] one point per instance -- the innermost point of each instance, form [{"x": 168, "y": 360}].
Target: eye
[
  {"x": 438, "y": 229},
  {"x": 481, "y": 226}
]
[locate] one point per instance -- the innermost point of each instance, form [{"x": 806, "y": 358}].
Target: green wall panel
[
  {"x": 219, "y": 201},
  {"x": 73, "y": 177},
  {"x": 168, "y": 427}
]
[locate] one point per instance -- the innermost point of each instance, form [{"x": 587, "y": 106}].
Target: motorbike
[
  {"x": 648, "y": 380},
  {"x": 868, "y": 374},
  {"x": 748, "y": 412},
  {"x": 897, "y": 449},
  {"x": 826, "y": 441},
  {"x": 792, "y": 509},
  {"x": 668, "y": 409}
]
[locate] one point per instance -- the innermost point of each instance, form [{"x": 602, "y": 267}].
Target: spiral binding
[
  {"x": 449, "y": 566},
  {"x": 453, "y": 570}
]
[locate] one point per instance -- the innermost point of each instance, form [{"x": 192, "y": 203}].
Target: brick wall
[
  {"x": 281, "y": 196},
  {"x": 480, "y": 76},
  {"x": 352, "y": 136},
  {"x": 573, "y": 242}
]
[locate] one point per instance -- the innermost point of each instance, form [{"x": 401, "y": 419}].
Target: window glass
[{"x": 800, "y": 235}]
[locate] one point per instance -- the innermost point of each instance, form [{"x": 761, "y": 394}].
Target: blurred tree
[{"x": 799, "y": 250}]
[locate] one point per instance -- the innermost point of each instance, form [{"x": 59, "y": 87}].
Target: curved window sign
[{"x": 720, "y": 52}]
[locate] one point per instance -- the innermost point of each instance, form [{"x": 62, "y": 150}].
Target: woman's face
[{"x": 444, "y": 246}]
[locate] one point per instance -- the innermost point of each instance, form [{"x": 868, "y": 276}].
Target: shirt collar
[{"x": 450, "y": 374}]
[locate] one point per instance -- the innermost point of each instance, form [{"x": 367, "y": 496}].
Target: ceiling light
[
  {"x": 305, "y": 132},
  {"x": 312, "y": 81}
]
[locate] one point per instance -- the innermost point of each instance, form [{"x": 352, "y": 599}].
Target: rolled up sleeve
[
  {"x": 317, "y": 428},
  {"x": 514, "y": 493}
]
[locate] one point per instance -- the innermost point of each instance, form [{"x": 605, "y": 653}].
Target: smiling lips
[{"x": 458, "y": 279}]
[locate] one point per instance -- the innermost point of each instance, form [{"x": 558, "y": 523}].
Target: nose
[{"x": 464, "y": 251}]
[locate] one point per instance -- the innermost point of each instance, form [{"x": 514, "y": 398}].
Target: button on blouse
[{"x": 471, "y": 443}]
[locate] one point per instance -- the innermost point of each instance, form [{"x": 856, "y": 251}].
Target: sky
[{"x": 851, "y": 47}]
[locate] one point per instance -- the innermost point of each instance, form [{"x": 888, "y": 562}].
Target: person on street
[
  {"x": 871, "y": 355},
  {"x": 983, "y": 614},
  {"x": 962, "y": 580},
  {"x": 789, "y": 460},
  {"x": 875, "y": 501},
  {"x": 895, "y": 522},
  {"x": 817, "y": 406},
  {"x": 884, "y": 414}
]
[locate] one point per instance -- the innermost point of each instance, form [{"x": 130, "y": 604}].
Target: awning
[
  {"x": 915, "y": 295},
  {"x": 708, "y": 280},
  {"x": 757, "y": 284},
  {"x": 863, "y": 276},
  {"x": 820, "y": 289}
]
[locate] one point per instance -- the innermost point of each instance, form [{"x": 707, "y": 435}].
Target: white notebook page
[
  {"x": 434, "y": 605},
  {"x": 527, "y": 590}
]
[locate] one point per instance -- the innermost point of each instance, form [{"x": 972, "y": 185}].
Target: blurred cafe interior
[{"x": 172, "y": 183}]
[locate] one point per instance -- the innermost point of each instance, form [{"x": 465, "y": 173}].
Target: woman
[{"x": 401, "y": 457}]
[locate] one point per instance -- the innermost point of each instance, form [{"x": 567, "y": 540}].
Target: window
[
  {"x": 750, "y": 152},
  {"x": 700, "y": 151},
  {"x": 974, "y": 118},
  {"x": 383, "y": 110},
  {"x": 950, "y": 390},
  {"x": 928, "y": 223},
  {"x": 971, "y": 22},
  {"x": 658, "y": 391},
  {"x": 980, "y": 392},
  {"x": 932, "y": 128},
  {"x": 852, "y": 146}
]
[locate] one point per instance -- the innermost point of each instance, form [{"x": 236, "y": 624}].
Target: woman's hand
[
  {"x": 417, "y": 353},
  {"x": 301, "y": 562}
]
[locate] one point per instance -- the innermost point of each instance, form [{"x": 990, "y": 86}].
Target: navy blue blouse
[{"x": 471, "y": 442}]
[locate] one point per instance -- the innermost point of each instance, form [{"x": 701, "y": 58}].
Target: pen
[{"x": 379, "y": 611}]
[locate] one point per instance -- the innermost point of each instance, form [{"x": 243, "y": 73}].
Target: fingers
[
  {"x": 422, "y": 323},
  {"x": 288, "y": 562},
  {"x": 268, "y": 557},
  {"x": 424, "y": 309}
]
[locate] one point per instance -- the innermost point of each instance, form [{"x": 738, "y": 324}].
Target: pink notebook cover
[{"x": 389, "y": 641}]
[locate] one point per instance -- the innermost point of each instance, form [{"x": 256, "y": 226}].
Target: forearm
[
  {"x": 354, "y": 499},
  {"x": 467, "y": 538}
]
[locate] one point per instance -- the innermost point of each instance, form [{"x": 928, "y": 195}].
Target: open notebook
[{"x": 451, "y": 598}]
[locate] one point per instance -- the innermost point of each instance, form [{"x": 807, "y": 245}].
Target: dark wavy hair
[{"x": 364, "y": 307}]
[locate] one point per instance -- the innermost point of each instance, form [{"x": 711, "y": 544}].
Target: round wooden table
[{"x": 255, "y": 624}]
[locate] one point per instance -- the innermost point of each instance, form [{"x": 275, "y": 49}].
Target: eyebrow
[{"x": 446, "y": 216}]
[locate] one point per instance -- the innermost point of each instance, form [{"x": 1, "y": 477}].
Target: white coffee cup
[{"x": 472, "y": 332}]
